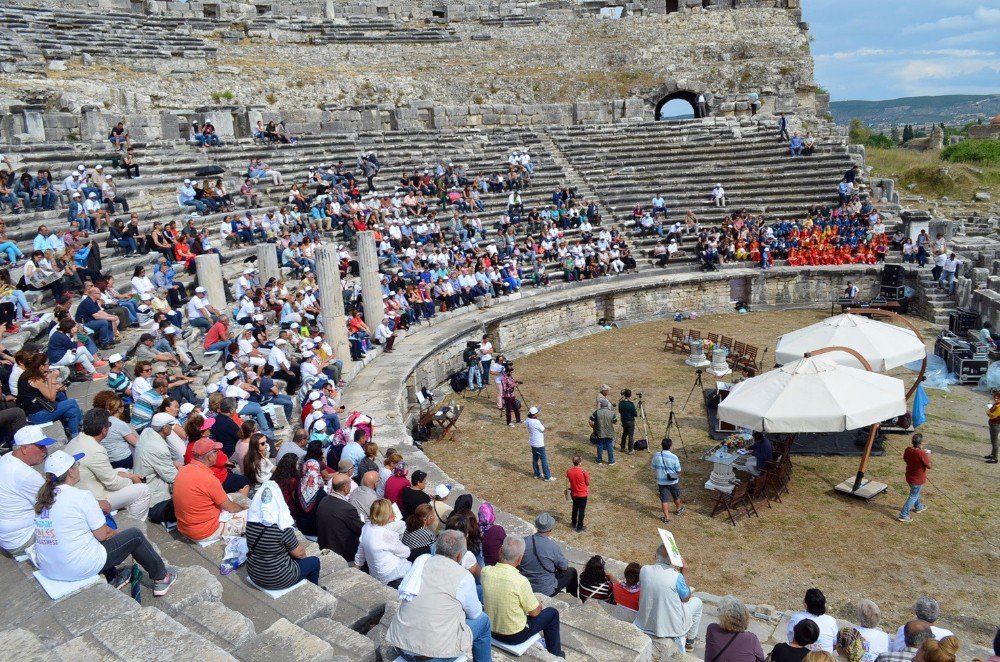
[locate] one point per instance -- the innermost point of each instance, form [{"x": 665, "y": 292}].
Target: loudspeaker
[
  {"x": 892, "y": 274},
  {"x": 960, "y": 321},
  {"x": 891, "y": 292}
]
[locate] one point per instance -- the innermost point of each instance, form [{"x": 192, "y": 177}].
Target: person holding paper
[{"x": 667, "y": 606}]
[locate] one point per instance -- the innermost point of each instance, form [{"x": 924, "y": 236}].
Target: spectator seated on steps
[
  {"x": 276, "y": 559},
  {"x": 73, "y": 540},
  {"x": 815, "y": 610},
  {"x": 203, "y": 509},
  {"x": 514, "y": 611},
  {"x": 729, "y": 639},
  {"x": 440, "y": 614},
  {"x": 19, "y": 485},
  {"x": 927, "y": 611},
  {"x": 544, "y": 564},
  {"x": 118, "y": 136},
  {"x": 380, "y": 549},
  {"x": 668, "y": 607}
]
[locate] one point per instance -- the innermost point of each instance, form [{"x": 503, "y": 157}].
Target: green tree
[
  {"x": 907, "y": 133},
  {"x": 880, "y": 141},
  {"x": 894, "y": 134},
  {"x": 859, "y": 133}
]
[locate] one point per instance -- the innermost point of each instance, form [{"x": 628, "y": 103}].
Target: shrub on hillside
[
  {"x": 880, "y": 141},
  {"x": 986, "y": 152}
]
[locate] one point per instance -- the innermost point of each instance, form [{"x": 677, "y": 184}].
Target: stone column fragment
[
  {"x": 331, "y": 295},
  {"x": 371, "y": 280},
  {"x": 209, "y": 269}
]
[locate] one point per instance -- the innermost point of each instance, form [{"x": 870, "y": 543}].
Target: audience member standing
[
  {"x": 536, "y": 439},
  {"x": 667, "y": 605},
  {"x": 579, "y": 490},
  {"x": 918, "y": 461},
  {"x": 602, "y": 421}
]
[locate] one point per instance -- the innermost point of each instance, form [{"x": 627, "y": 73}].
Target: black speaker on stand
[{"x": 892, "y": 275}]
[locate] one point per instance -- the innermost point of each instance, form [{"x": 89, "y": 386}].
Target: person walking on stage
[
  {"x": 536, "y": 438},
  {"x": 668, "y": 478},
  {"x": 628, "y": 413},
  {"x": 603, "y": 423},
  {"x": 918, "y": 461},
  {"x": 994, "y": 416},
  {"x": 579, "y": 490}
]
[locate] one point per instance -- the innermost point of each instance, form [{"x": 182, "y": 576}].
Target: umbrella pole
[{"x": 864, "y": 458}]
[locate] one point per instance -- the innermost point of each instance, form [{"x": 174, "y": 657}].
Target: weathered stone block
[
  {"x": 194, "y": 584},
  {"x": 80, "y": 612},
  {"x": 361, "y": 599},
  {"x": 145, "y": 634},
  {"x": 23, "y": 645},
  {"x": 223, "y": 626},
  {"x": 344, "y": 640},
  {"x": 305, "y": 603},
  {"x": 285, "y": 641}
]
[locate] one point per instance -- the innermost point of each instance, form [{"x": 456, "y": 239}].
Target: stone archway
[{"x": 691, "y": 98}]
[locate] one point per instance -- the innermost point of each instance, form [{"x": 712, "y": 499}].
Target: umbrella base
[{"x": 869, "y": 488}]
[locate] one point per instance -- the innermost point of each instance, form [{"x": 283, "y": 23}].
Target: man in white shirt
[
  {"x": 384, "y": 335},
  {"x": 186, "y": 197},
  {"x": 200, "y": 312},
  {"x": 19, "y": 485},
  {"x": 927, "y": 610},
  {"x": 815, "y": 604},
  {"x": 536, "y": 439},
  {"x": 719, "y": 195},
  {"x": 949, "y": 271}
]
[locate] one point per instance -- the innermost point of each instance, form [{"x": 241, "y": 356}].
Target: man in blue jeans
[
  {"x": 918, "y": 461},
  {"x": 440, "y": 616},
  {"x": 511, "y": 604},
  {"x": 603, "y": 422},
  {"x": 91, "y": 314},
  {"x": 536, "y": 438}
]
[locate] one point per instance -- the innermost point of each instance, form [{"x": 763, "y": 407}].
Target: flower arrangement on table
[{"x": 734, "y": 443}]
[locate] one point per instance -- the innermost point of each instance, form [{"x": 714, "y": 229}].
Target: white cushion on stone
[
  {"x": 57, "y": 589},
  {"x": 518, "y": 649},
  {"x": 278, "y": 593}
]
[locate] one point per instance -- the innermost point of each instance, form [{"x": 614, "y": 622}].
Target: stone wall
[
  {"x": 551, "y": 63},
  {"x": 567, "y": 312}
]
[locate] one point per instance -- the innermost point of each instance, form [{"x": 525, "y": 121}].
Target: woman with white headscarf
[{"x": 275, "y": 558}]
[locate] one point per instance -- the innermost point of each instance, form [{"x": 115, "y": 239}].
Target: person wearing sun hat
[
  {"x": 72, "y": 538},
  {"x": 544, "y": 564},
  {"x": 200, "y": 500},
  {"x": 19, "y": 485}
]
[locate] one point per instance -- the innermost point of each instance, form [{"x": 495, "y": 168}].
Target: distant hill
[{"x": 954, "y": 109}]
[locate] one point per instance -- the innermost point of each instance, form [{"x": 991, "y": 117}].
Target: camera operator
[
  {"x": 628, "y": 413},
  {"x": 508, "y": 386}
]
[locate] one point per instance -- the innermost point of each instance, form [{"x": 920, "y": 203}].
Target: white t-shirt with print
[
  {"x": 65, "y": 545},
  {"x": 19, "y": 485}
]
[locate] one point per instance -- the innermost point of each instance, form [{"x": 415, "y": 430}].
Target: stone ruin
[{"x": 335, "y": 65}]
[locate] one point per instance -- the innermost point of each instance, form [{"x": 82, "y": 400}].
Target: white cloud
[
  {"x": 916, "y": 70},
  {"x": 985, "y": 37},
  {"x": 844, "y": 56},
  {"x": 980, "y": 16},
  {"x": 958, "y": 52}
]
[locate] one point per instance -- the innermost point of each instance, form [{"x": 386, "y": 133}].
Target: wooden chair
[
  {"x": 691, "y": 335},
  {"x": 714, "y": 338},
  {"x": 727, "y": 342},
  {"x": 758, "y": 489},
  {"x": 734, "y": 357},
  {"x": 675, "y": 341},
  {"x": 748, "y": 361},
  {"x": 735, "y": 504}
]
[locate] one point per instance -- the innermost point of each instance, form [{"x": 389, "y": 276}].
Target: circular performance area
[{"x": 814, "y": 536}]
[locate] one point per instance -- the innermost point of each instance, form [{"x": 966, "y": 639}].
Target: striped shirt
[
  {"x": 120, "y": 384},
  {"x": 144, "y": 408},
  {"x": 418, "y": 538},
  {"x": 269, "y": 563}
]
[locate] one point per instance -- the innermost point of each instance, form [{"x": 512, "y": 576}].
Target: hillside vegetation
[{"x": 957, "y": 172}]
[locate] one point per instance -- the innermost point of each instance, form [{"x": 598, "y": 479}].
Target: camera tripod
[
  {"x": 645, "y": 425},
  {"x": 672, "y": 421},
  {"x": 697, "y": 383}
]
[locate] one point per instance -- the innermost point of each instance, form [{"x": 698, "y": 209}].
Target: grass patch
[
  {"x": 928, "y": 174},
  {"x": 984, "y": 152}
]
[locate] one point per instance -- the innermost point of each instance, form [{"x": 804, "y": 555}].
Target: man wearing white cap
[
  {"x": 201, "y": 313},
  {"x": 96, "y": 213},
  {"x": 248, "y": 348},
  {"x": 186, "y": 197},
  {"x": 121, "y": 489},
  {"x": 536, "y": 439},
  {"x": 74, "y": 541},
  {"x": 284, "y": 370},
  {"x": 19, "y": 485},
  {"x": 154, "y": 461}
]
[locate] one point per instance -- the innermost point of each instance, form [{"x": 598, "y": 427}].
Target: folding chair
[
  {"x": 748, "y": 361},
  {"x": 758, "y": 489},
  {"x": 691, "y": 335},
  {"x": 713, "y": 338},
  {"x": 727, "y": 342},
  {"x": 732, "y": 503},
  {"x": 675, "y": 341}
]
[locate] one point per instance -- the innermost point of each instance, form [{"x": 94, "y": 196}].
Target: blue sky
[{"x": 884, "y": 49}]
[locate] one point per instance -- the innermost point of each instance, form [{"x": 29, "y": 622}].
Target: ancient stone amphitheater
[{"x": 577, "y": 83}]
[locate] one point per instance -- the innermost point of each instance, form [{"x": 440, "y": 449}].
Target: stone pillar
[
  {"x": 93, "y": 126},
  {"x": 34, "y": 125},
  {"x": 267, "y": 262},
  {"x": 209, "y": 269},
  {"x": 371, "y": 280},
  {"x": 332, "y": 302}
]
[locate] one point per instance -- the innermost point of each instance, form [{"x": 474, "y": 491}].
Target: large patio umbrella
[
  {"x": 817, "y": 394},
  {"x": 813, "y": 394},
  {"x": 884, "y": 346}
]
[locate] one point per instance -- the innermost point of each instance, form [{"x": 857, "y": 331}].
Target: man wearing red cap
[{"x": 199, "y": 499}]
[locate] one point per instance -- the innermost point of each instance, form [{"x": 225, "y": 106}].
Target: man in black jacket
[{"x": 338, "y": 525}]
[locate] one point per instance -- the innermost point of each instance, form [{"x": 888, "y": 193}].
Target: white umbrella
[
  {"x": 813, "y": 394},
  {"x": 884, "y": 346}
]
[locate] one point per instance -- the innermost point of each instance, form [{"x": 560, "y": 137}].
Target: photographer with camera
[
  {"x": 668, "y": 480},
  {"x": 508, "y": 386},
  {"x": 628, "y": 413}
]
